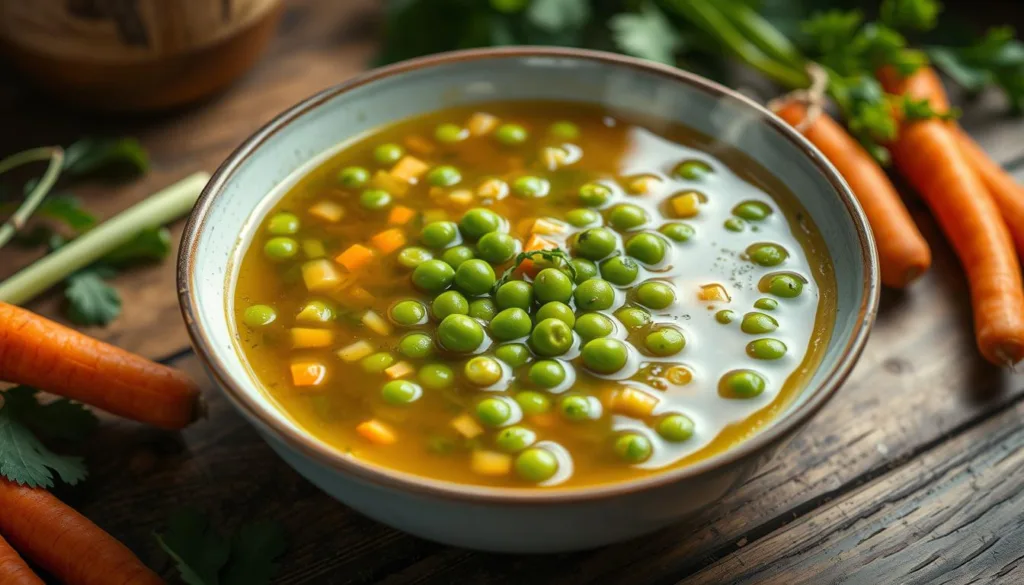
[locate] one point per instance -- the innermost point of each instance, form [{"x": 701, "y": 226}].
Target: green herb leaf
[
  {"x": 996, "y": 59},
  {"x": 68, "y": 210},
  {"x": 91, "y": 156},
  {"x": 59, "y": 419},
  {"x": 914, "y": 110},
  {"x": 25, "y": 460},
  {"x": 253, "y": 553},
  {"x": 558, "y": 15},
  {"x": 555, "y": 256},
  {"x": 921, "y": 15},
  {"x": 150, "y": 245},
  {"x": 647, "y": 34},
  {"x": 90, "y": 300}
]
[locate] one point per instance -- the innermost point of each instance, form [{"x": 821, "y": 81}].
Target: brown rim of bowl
[{"x": 324, "y": 454}]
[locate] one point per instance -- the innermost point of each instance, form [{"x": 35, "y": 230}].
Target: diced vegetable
[
  {"x": 419, "y": 144},
  {"x": 535, "y": 242},
  {"x": 481, "y": 123},
  {"x": 492, "y": 189},
  {"x": 358, "y": 297},
  {"x": 644, "y": 185},
  {"x": 409, "y": 169},
  {"x": 305, "y": 337},
  {"x": 401, "y": 215},
  {"x": 306, "y": 374},
  {"x": 713, "y": 292},
  {"x": 355, "y": 351},
  {"x": 467, "y": 426},
  {"x": 686, "y": 204},
  {"x": 388, "y": 241},
  {"x": 376, "y": 323},
  {"x": 315, "y": 312},
  {"x": 385, "y": 181},
  {"x": 553, "y": 157},
  {"x": 491, "y": 463},
  {"x": 321, "y": 276},
  {"x": 679, "y": 375},
  {"x": 461, "y": 197},
  {"x": 632, "y": 402},
  {"x": 377, "y": 432},
  {"x": 399, "y": 370},
  {"x": 313, "y": 249},
  {"x": 328, "y": 211},
  {"x": 355, "y": 257},
  {"x": 547, "y": 226},
  {"x": 432, "y": 215}
]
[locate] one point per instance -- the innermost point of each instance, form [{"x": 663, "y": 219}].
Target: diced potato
[
  {"x": 409, "y": 169},
  {"x": 632, "y": 402},
  {"x": 305, "y": 374},
  {"x": 315, "y": 312},
  {"x": 686, "y": 204},
  {"x": 321, "y": 276},
  {"x": 328, "y": 211},
  {"x": 553, "y": 157},
  {"x": 419, "y": 144},
  {"x": 388, "y": 241},
  {"x": 306, "y": 337},
  {"x": 376, "y": 323},
  {"x": 355, "y": 351},
  {"x": 313, "y": 249},
  {"x": 399, "y": 370},
  {"x": 401, "y": 215},
  {"x": 481, "y": 123},
  {"x": 491, "y": 463},
  {"x": 714, "y": 292},
  {"x": 432, "y": 215},
  {"x": 355, "y": 257},
  {"x": 546, "y": 226},
  {"x": 358, "y": 296},
  {"x": 467, "y": 426},
  {"x": 461, "y": 197},
  {"x": 644, "y": 185},
  {"x": 377, "y": 432},
  {"x": 492, "y": 189},
  {"x": 386, "y": 181}
]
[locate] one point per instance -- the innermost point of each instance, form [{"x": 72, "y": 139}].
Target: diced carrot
[
  {"x": 320, "y": 276},
  {"x": 461, "y": 197},
  {"x": 632, "y": 402},
  {"x": 355, "y": 351},
  {"x": 388, "y": 241},
  {"x": 714, "y": 292},
  {"x": 313, "y": 249},
  {"x": 492, "y": 189},
  {"x": 686, "y": 204},
  {"x": 376, "y": 323},
  {"x": 328, "y": 211},
  {"x": 308, "y": 373},
  {"x": 481, "y": 123},
  {"x": 355, "y": 257},
  {"x": 419, "y": 144},
  {"x": 401, "y": 215},
  {"x": 399, "y": 370},
  {"x": 546, "y": 226},
  {"x": 306, "y": 337},
  {"x": 385, "y": 181},
  {"x": 377, "y": 432},
  {"x": 490, "y": 463},
  {"x": 409, "y": 169},
  {"x": 644, "y": 185},
  {"x": 535, "y": 242},
  {"x": 467, "y": 426}
]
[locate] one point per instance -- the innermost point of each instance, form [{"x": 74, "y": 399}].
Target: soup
[{"x": 534, "y": 294}]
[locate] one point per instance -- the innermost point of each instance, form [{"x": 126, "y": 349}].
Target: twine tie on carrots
[{"x": 813, "y": 97}]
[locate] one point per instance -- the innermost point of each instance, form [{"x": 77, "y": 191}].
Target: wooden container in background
[{"x": 134, "y": 55}]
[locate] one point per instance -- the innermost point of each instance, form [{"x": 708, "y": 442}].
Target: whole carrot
[
  {"x": 13, "y": 570},
  {"x": 902, "y": 250},
  {"x": 65, "y": 543},
  {"x": 38, "y": 352}
]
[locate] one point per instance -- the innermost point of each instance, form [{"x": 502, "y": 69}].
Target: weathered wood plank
[{"x": 950, "y": 516}]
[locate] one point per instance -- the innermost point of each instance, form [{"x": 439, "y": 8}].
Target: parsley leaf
[
  {"x": 559, "y": 15},
  {"x": 996, "y": 59},
  {"x": 23, "y": 457},
  {"x": 90, "y": 156},
  {"x": 60, "y": 419},
  {"x": 647, "y": 34},
  {"x": 205, "y": 557},
  {"x": 554, "y": 256},
  {"x": 68, "y": 210},
  {"x": 91, "y": 301},
  {"x": 150, "y": 245},
  {"x": 919, "y": 15}
]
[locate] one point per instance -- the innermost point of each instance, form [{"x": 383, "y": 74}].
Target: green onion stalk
[{"x": 55, "y": 155}]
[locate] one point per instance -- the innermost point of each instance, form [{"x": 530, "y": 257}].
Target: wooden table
[{"x": 911, "y": 474}]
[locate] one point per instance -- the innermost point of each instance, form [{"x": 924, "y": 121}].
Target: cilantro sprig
[{"x": 555, "y": 256}]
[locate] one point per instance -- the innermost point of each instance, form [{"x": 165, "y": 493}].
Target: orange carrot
[
  {"x": 388, "y": 241},
  {"x": 928, "y": 155},
  {"x": 355, "y": 257},
  {"x": 38, "y": 352},
  {"x": 65, "y": 543},
  {"x": 13, "y": 570},
  {"x": 903, "y": 253}
]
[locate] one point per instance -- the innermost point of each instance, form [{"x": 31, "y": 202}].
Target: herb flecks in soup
[{"x": 534, "y": 294}]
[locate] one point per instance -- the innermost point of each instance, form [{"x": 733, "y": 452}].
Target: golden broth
[{"x": 634, "y": 158}]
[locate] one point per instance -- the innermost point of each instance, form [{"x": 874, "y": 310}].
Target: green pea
[
  {"x": 752, "y": 210},
  {"x": 378, "y": 362},
  {"x": 725, "y": 316},
  {"x": 483, "y": 371},
  {"x": 757, "y": 323},
  {"x": 497, "y": 247},
  {"x": 399, "y": 392},
  {"x": 665, "y": 342},
  {"x": 551, "y": 337},
  {"x": 474, "y": 277},
  {"x": 374, "y": 199},
  {"x": 620, "y": 270},
  {"x": 677, "y": 232},
  {"x": 595, "y": 243},
  {"x": 552, "y": 284},
  {"x": 433, "y": 276},
  {"x": 633, "y": 317},
  {"x": 460, "y": 334},
  {"x": 633, "y": 447},
  {"x": 493, "y": 412},
  {"x": 511, "y": 134},
  {"x": 416, "y": 346},
  {"x": 281, "y": 248},
  {"x": 594, "y": 295},
  {"x": 741, "y": 384},
  {"x": 786, "y": 286},
  {"x": 515, "y": 293},
  {"x": 513, "y": 354},
  {"x": 408, "y": 313},
  {"x": 388, "y": 154},
  {"x": 450, "y": 133},
  {"x": 655, "y": 295},
  {"x": 577, "y": 408},
  {"x": 456, "y": 255},
  {"x": 439, "y": 234},
  {"x": 627, "y": 216},
  {"x": 604, "y": 355},
  {"x": 766, "y": 304},
  {"x": 582, "y": 217},
  {"x": 530, "y": 186},
  {"x": 259, "y": 316},
  {"x": 482, "y": 309},
  {"x": 479, "y": 221},
  {"x": 594, "y": 194},
  {"x": 564, "y": 130},
  {"x": 536, "y": 465},
  {"x": 692, "y": 170},
  {"x": 353, "y": 177},
  {"x": 547, "y": 373},
  {"x": 449, "y": 303},
  {"x": 585, "y": 269},
  {"x": 514, "y": 439},
  {"x": 413, "y": 256},
  {"x": 735, "y": 224},
  {"x": 593, "y": 325},
  {"x": 675, "y": 428},
  {"x": 444, "y": 176},
  {"x": 556, "y": 310},
  {"x": 533, "y": 402},
  {"x": 767, "y": 254},
  {"x": 435, "y": 376},
  {"x": 766, "y": 349},
  {"x": 511, "y": 323},
  {"x": 283, "y": 224},
  {"x": 647, "y": 248}
]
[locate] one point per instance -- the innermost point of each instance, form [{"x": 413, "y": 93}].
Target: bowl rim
[{"x": 322, "y": 453}]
